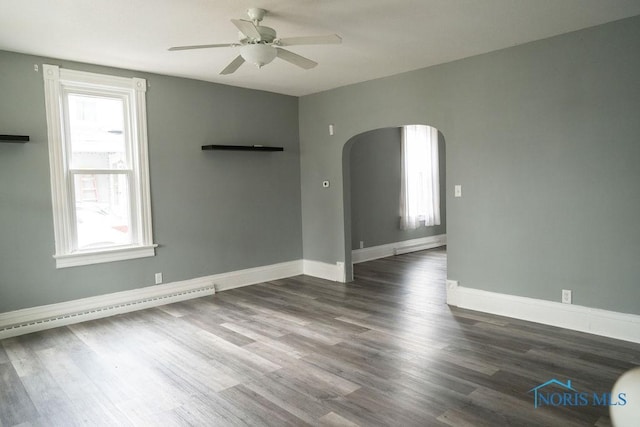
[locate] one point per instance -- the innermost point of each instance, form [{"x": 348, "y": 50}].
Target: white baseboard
[
  {"x": 595, "y": 321},
  {"x": 34, "y": 319},
  {"x": 396, "y": 248},
  {"x": 323, "y": 270},
  {"x": 251, "y": 276}
]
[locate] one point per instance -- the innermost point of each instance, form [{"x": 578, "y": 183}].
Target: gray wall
[
  {"x": 213, "y": 212},
  {"x": 543, "y": 138},
  {"x": 375, "y": 163}
]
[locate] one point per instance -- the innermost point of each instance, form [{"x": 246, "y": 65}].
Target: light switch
[{"x": 457, "y": 191}]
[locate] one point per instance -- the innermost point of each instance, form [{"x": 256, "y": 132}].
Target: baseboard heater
[{"x": 64, "y": 317}]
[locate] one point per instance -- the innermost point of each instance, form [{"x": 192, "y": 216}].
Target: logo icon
[
  {"x": 545, "y": 396},
  {"x": 569, "y": 396}
]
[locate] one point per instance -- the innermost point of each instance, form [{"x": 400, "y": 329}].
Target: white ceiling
[{"x": 380, "y": 37}]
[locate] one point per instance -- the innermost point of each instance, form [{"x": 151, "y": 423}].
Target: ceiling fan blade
[
  {"x": 296, "y": 59},
  {"x": 233, "y": 65},
  {"x": 329, "y": 39},
  {"x": 247, "y": 28},
  {"x": 203, "y": 46}
]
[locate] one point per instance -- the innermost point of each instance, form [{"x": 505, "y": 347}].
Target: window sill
[{"x": 105, "y": 255}]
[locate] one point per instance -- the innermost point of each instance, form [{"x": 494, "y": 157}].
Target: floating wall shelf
[
  {"x": 242, "y": 148},
  {"x": 14, "y": 138}
]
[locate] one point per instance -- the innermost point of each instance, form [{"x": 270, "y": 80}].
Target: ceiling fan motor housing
[{"x": 267, "y": 35}]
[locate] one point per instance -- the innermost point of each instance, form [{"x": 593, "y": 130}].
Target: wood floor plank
[
  {"x": 245, "y": 359},
  {"x": 335, "y": 420},
  {"x": 290, "y": 396},
  {"x": 254, "y": 330},
  {"x": 515, "y": 409},
  {"x": 23, "y": 359},
  {"x": 213, "y": 409},
  {"x": 215, "y": 327},
  {"x": 16, "y": 405},
  {"x": 4, "y": 358},
  {"x": 190, "y": 371},
  {"x": 84, "y": 397},
  {"x": 384, "y": 350},
  {"x": 44, "y": 391},
  {"x": 268, "y": 413}
]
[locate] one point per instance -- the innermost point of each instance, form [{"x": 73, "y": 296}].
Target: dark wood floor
[{"x": 383, "y": 350}]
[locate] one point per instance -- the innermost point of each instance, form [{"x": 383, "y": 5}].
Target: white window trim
[{"x": 55, "y": 82}]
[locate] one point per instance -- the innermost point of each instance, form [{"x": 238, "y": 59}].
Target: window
[
  {"x": 99, "y": 167},
  {"x": 420, "y": 184}
]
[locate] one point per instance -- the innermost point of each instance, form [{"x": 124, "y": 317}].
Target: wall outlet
[
  {"x": 361, "y": 244},
  {"x": 566, "y": 296},
  {"x": 457, "y": 191},
  {"x": 158, "y": 278},
  {"x": 331, "y": 130}
]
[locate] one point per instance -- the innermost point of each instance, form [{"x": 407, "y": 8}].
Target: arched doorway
[{"x": 371, "y": 198}]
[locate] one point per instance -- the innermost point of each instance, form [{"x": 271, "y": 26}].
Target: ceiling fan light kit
[
  {"x": 258, "y": 54},
  {"x": 259, "y": 45}
]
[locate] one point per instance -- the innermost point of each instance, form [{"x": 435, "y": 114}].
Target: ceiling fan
[{"x": 259, "y": 45}]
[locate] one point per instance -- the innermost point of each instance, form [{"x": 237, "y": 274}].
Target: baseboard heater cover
[
  {"x": 102, "y": 311},
  {"x": 33, "y": 319}
]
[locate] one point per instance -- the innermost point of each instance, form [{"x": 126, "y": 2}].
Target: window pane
[
  {"x": 96, "y": 129},
  {"x": 102, "y": 210}
]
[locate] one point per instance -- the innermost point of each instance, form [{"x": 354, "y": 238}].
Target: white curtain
[{"x": 420, "y": 188}]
